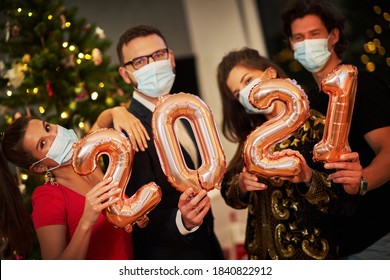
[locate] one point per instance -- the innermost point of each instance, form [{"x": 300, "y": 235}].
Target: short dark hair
[
  {"x": 135, "y": 32},
  {"x": 328, "y": 14}
]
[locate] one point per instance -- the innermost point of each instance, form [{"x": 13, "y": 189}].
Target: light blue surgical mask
[
  {"x": 155, "y": 79},
  {"x": 313, "y": 54},
  {"x": 61, "y": 149},
  {"x": 244, "y": 99}
]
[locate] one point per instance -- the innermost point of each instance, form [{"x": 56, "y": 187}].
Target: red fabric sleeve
[{"x": 48, "y": 206}]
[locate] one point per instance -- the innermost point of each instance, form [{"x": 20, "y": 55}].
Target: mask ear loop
[
  {"x": 330, "y": 34},
  {"x": 135, "y": 83}
]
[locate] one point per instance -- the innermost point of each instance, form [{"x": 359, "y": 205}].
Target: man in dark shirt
[{"x": 315, "y": 33}]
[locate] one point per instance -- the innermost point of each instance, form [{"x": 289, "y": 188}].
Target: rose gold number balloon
[
  {"x": 126, "y": 212},
  {"x": 183, "y": 105},
  {"x": 340, "y": 85},
  {"x": 256, "y": 152}
]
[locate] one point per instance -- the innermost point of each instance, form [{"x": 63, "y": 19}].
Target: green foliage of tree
[{"x": 53, "y": 63}]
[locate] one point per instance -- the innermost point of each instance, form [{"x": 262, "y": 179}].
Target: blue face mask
[
  {"x": 61, "y": 149},
  {"x": 155, "y": 79},
  {"x": 312, "y": 54},
  {"x": 244, "y": 99}
]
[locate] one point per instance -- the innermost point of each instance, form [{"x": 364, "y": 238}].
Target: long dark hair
[
  {"x": 16, "y": 230},
  {"x": 12, "y": 143},
  {"x": 236, "y": 123},
  {"x": 328, "y": 14}
]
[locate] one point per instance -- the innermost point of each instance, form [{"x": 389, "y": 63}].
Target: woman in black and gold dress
[{"x": 286, "y": 219}]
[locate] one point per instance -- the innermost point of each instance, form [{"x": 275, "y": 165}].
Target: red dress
[{"x": 59, "y": 205}]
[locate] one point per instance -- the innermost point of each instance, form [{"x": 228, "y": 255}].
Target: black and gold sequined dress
[{"x": 288, "y": 220}]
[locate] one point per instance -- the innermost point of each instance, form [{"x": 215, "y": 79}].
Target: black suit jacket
[{"x": 161, "y": 239}]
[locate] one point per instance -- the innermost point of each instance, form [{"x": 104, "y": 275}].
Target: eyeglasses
[{"x": 141, "y": 61}]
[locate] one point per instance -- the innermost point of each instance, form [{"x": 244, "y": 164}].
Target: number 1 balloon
[{"x": 340, "y": 85}]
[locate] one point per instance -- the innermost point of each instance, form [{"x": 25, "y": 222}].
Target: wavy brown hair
[{"x": 328, "y": 14}]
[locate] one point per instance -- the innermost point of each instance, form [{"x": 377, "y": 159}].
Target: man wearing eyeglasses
[{"x": 181, "y": 226}]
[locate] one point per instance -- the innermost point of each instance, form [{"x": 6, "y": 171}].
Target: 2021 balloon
[
  {"x": 171, "y": 108},
  {"x": 127, "y": 211}
]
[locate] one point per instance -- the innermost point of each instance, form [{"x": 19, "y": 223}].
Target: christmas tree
[{"x": 53, "y": 66}]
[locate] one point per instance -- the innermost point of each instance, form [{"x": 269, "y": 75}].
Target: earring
[{"x": 49, "y": 177}]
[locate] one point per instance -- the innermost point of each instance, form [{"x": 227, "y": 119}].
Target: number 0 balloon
[
  {"x": 126, "y": 212},
  {"x": 183, "y": 105}
]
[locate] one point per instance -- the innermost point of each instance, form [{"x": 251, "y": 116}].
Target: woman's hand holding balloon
[
  {"x": 97, "y": 199},
  {"x": 305, "y": 175},
  {"x": 249, "y": 182}
]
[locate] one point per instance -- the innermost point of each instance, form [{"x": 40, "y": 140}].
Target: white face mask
[
  {"x": 244, "y": 99},
  {"x": 61, "y": 149},
  {"x": 312, "y": 54},
  {"x": 155, "y": 79}
]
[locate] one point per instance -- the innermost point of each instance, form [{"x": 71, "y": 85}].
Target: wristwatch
[{"x": 363, "y": 186}]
